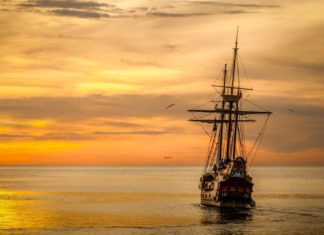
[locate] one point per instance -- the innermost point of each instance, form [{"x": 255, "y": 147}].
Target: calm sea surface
[{"x": 154, "y": 200}]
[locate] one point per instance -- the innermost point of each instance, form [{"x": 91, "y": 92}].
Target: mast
[
  {"x": 220, "y": 139},
  {"x": 234, "y": 61},
  {"x": 238, "y": 95},
  {"x": 229, "y": 134}
]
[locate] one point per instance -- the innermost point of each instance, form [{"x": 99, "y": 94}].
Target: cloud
[
  {"x": 71, "y": 136},
  {"x": 109, "y": 112},
  {"x": 290, "y": 131},
  {"x": 81, "y": 9},
  {"x": 64, "y": 136},
  {"x": 13, "y": 125},
  {"x": 46, "y": 137},
  {"x": 141, "y": 9},
  {"x": 301, "y": 49},
  {"x": 116, "y": 124},
  {"x": 170, "y": 47},
  {"x": 65, "y": 4},
  {"x": 14, "y": 136},
  {"x": 61, "y": 36},
  {"x": 170, "y": 14},
  {"x": 94, "y": 9},
  {"x": 81, "y": 14},
  {"x": 205, "y": 8},
  {"x": 77, "y": 117},
  {"x": 241, "y": 5},
  {"x": 140, "y": 63},
  {"x": 237, "y": 12},
  {"x": 68, "y": 136},
  {"x": 92, "y": 106},
  {"x": 146, "y": 132}
]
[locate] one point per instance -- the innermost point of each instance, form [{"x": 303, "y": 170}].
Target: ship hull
[
  {"x": 226, "y": 204},
  {"x": 233, "y": 192}
]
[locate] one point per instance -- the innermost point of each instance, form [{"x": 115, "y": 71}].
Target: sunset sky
[{"x": 88, "y": 81}]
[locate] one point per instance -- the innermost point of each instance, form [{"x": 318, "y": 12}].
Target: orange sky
[{"x": 87, "y": 82}]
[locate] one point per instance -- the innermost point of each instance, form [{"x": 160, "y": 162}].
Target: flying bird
[
  {"x": 167, "y": 157},
  {"x": 169, "y": 106}
]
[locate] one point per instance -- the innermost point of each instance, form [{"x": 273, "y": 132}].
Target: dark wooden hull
[{"x": 234, "y": 192}]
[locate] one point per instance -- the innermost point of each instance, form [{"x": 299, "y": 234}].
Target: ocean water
[{"x": 154, "y": 200}]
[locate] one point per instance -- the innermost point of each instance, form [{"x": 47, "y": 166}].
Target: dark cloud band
[{"x": 96, "y": 9}]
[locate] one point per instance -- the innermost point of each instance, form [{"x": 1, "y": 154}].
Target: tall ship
[{"x": 225, "y": 181}]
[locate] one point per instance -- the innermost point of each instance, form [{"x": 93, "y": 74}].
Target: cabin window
[
  {"x": 225, "y": 188},
  {"x": 240, "y": 189},
  {"x": 232, "y": 188}
]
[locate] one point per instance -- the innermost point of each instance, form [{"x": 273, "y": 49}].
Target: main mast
[
  {"x": 229, "y": 114},
  {"x": 229, "y": 133},
  {"x": 237, "y": 95}
]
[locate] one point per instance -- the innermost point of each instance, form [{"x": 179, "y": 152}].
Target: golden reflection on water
[
  {"x": 38, "y": 210},
  {"x": 119, "y": 209},
  {"x": 8, "y": 216},
  {"x": 20, "y": 209}
]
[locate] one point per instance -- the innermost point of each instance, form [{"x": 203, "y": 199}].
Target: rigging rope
[
  {"x": 257, "y": 143},
  {"x": 210, "y": 150},
  {"x": 242, "y": 134},
  {"x": 256, "y": 105},
  {"x": 202, "y": 127},
  {"x": 246, "y": 74}
]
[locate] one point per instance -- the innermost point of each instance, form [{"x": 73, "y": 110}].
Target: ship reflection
[{"x": 215, "y": 215}]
